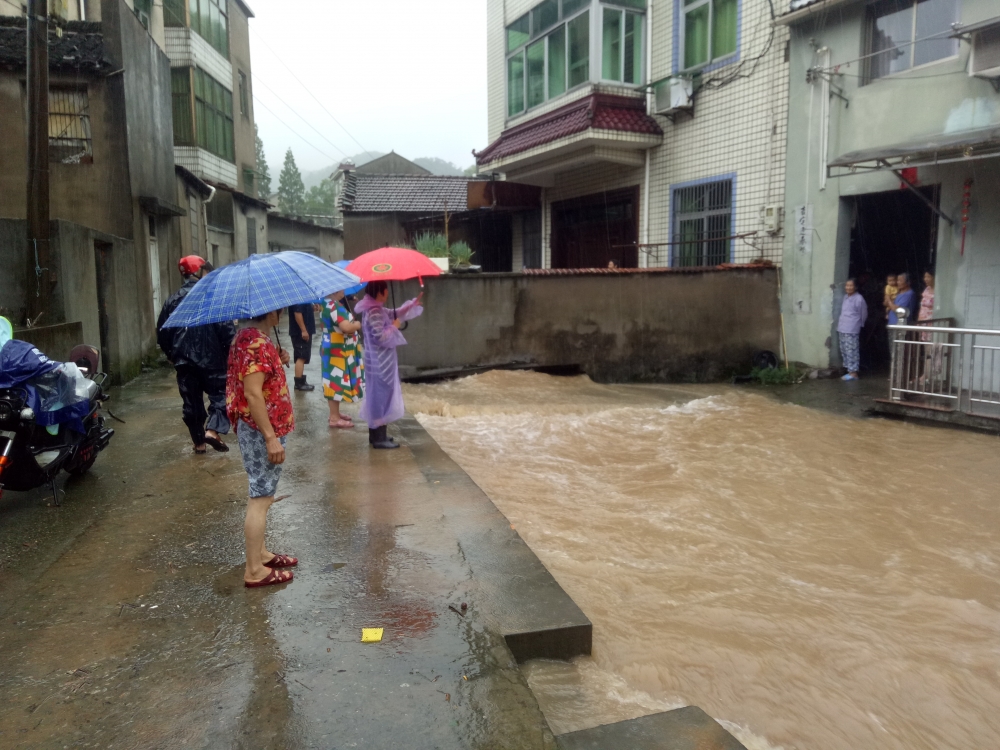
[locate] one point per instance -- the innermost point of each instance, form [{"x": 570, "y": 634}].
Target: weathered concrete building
[
  {"x": 310, "y": 235},
  {"x": 626, "y": 113},
  {"x": 152, "y": 157},
  {"x": 208, "y": 43},
  {"x": 894, "y": 130},
  {"x": 111, "y": 178}
]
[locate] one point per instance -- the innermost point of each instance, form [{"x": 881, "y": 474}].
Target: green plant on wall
[
  {"x": 431, "y": 244},
  {"x": 460, "y": 253}
]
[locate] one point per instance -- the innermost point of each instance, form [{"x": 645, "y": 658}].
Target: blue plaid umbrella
[{"x": 258, "y": 285}]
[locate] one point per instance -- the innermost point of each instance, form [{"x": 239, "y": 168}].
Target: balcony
[
  {"x": 186, "y": 49},
  {"x": 207, "y": 166},
  {"x": 601, "y": 127}
]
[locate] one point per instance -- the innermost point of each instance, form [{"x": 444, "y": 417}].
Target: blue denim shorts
[{"x": 263, "y": 475}]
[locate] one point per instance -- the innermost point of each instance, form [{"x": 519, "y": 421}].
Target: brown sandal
[
  {"x": 282, "y": 561},
  {"x": 274, "y": 577}
]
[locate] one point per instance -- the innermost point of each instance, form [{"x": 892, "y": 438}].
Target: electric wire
[
  {"x": 308, "y": 91},
  {"x": 296, "y": 113},
  {"x": 293, "y": 130}
]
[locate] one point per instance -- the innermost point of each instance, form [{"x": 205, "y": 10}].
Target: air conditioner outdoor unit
[
  {"x": 673, "y": 95},
  {"x": 984, "y": 62}
]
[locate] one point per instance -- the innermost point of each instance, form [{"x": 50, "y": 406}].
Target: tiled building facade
[{"x": 698, "y": 193}]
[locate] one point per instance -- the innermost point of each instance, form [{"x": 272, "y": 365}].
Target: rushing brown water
[{"x": 813, "y": 581}]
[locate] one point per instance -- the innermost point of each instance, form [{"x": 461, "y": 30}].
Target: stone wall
[{"x": 638, "y": 326}]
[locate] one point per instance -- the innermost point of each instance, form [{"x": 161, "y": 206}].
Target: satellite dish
[{"x": 6, "y": 331}]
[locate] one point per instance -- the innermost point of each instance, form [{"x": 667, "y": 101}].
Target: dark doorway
[
  {"x": 531, "y": 239},
  {"x": 103, "y": 266},
  {"x": 892, "y": 232},
  {"x": 592, "y": 231}
]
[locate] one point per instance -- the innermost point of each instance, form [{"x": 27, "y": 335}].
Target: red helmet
[{"x": 189, "y": 265}]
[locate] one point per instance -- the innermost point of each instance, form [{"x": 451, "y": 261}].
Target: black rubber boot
[
  {"x": 302, "y": 385},
  {"x": 382, "y": 440}
]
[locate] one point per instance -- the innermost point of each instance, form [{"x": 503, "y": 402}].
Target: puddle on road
[{"x": 817, "y": 582}]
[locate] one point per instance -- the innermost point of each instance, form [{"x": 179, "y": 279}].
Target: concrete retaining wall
[{"x": 640, "y": 326}]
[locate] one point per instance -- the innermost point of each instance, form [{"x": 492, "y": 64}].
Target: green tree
[
  {"x": 320, "y": 199},
  {"x": 291, "y": 191},
  {"x": 263, "y": 173}
]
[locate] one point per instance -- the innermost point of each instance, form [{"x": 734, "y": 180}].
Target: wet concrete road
[{"x": 124, "y": 622}]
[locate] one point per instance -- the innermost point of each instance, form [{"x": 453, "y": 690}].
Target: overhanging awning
[{"x": 948, "y": 148}]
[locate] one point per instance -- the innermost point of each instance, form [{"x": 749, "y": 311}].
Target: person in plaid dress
[{"x": 343, "y": 371}]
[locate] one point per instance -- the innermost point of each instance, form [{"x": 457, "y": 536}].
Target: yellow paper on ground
[{"x": 371, "y": 635}]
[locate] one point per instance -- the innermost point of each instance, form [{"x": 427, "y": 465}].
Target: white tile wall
[
  {"x": 185, "y": 48},
  {"x": 739, "y": 126},
  {"x": 206, "y": 166}
]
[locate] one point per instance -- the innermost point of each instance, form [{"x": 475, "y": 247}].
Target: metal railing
[{"x": 951, "y": 368}]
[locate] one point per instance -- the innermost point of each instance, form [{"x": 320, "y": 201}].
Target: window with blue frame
[
  {"x": 707, "y": 32},
  {"x": 549, "y": 48},
  {"x": 702, "y": 223}
]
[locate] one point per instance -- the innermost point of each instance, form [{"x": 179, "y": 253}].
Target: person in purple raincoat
[{"x": 383, "y": 394}]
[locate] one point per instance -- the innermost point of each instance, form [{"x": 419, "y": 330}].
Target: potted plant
[
  {"x": 435, "y": 247},
  {"x": 460, "y": 255}
]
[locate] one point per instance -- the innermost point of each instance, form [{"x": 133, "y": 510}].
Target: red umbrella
[{"x": 393, "y": 264}]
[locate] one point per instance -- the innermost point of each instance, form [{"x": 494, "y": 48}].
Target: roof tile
[
  {"x": 598, "y": 111},
  {"x": 376, "y": 193}
]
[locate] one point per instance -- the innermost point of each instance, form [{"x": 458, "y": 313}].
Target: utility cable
[
  {"x": 308, "y": 91},
  {"x": 293, "y": 130},
  {"x": 320, "y": 134}
]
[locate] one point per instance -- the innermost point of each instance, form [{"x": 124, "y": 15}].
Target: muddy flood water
[{"x": 813, "y": 581}]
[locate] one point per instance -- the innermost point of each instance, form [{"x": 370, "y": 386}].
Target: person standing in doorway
[
  {"x": 260, "y": 409},
  {"x": 904, "y": 299},
  {"x": 853, "y": 314},
  {"x": 199, "y": 356},
  {"x": 384, "y": 398},
  {"x": 301, "y": 327}
]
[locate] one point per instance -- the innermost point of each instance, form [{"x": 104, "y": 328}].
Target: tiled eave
[{"x": 600, "y": 117}]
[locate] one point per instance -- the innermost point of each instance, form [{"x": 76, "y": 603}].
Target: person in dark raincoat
[
  {"x": 383, "y": 401},
  {"x": 200, "y": 356}
]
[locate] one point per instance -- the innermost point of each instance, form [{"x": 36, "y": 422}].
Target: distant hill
[
  {"x": 438, "y": 166},
  {"x": 314, "y": 177}
]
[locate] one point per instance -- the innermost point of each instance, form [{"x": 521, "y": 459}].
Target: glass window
[
  {"x": 248, "y": 180},
  {"x": 569, "y": 7},
  {"x": 578, "y": 31},
  {"x": 557, "y": 62},
  {"x": 544, "y": 16},
  {"x": 244, "y": 95},
  {"x": 180, "y": 95},
  {"x": 213, "y": 116},
  {"x": 535, "y": 54},
  {"x": 173, "y": 13},
  {"x": 907, "y": 33},
  {"x": 621, "y": 46},
  {"x": 211, "y": 20},
  {"x": 702, "y": 224},
  {"x": 710, "y": 30},
  {"x": 518, "y": 32},
  {"x": 628, "y": 3},
  {"x": 611, "y": 45},
  {"x": 632, "y": 52},
  {"x": 515, "y": 84}
]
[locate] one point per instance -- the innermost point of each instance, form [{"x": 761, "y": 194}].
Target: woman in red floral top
[{"x": 260, "y": 410}]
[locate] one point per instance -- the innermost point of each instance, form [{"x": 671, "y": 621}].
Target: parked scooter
[{"x": 50, "y": 416}]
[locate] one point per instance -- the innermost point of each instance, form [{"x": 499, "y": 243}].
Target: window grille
[
  {"x": 213, "y": 105},
  {"x": 70, "y": 139},
  {"x": 702, "y": 224},
  {"x": 248, "y": 180}
]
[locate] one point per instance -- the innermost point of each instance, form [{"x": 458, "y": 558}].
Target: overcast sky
[{"x": 397, "y": 74}]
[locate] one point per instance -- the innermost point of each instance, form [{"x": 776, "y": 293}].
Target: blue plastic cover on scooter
[{"x": 53, "y": 401}]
